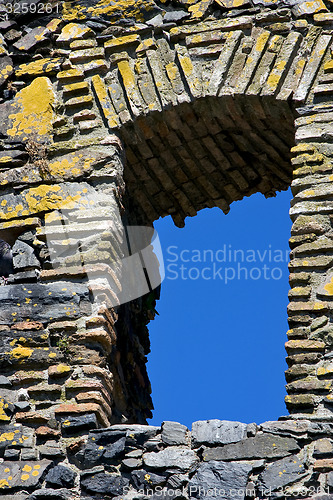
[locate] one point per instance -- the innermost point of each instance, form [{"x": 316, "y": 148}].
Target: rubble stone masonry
[{"x": 113, "y": 114}]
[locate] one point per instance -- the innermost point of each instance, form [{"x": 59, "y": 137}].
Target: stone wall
[
  {"x": 218, "y": 459},
  {"x": 114, "y": 114}
]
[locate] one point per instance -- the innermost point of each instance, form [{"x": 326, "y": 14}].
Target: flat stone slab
[
  {"x": 172, "y": 457},
  {"x": 22, "y": 475},
  {"x": 217, "y": 432},
  {"x": 260, "y": 446},
  {"x": 292, "y": 427},
  {"x": 282, "y": 473},
  {"x": 102, "y": 483}
]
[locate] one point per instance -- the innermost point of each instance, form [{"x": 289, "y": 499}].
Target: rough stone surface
[
  {"x": 260, "y": 446},
  {"x": 228, "y": 479},
  {"x": 108, "y": 484},
  {"x": 217, "y": 431},
  {"x": 282, "y": 473},
  {"x": 173, "y": 433},
  {"x": 60, "y": 477},
  {"x": 172, "y": 457}
]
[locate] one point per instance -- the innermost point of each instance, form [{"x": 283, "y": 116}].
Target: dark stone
[
  {"x": 108, "y": 484},
  {"x": 154, "y": 444},
  {"x": 24, "y": 256},
  {"x": 61, "y": 477},
  {"x": 143, "y": 478},
  {"x": 97, "y": 26},
  {"x": 50, "y": 494},
  {"x": 6, "y": 259},
  {"x": 229, "y": 479},
  {"x": 31, "y": 40},
  {"x": 24, "y": 277},
  {"x": 175, "y": 15},
  {"x": 282, "y": 473},
  {"x": 260, "y": 446},
  {"x": 11, "y": 433},
  {"x": 101, "y": 450},
  {"x": 177, "y": 481},
  {"x": 47, "y": 305},
  {"x": 116, "y": 449},
  {"x": 173, "y": 433},
  {"x": 9, "y": 407},
  {"x": 73, "y": 425}
]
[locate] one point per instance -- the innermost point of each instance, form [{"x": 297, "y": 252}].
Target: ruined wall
[{"x": 114, "y": 114}]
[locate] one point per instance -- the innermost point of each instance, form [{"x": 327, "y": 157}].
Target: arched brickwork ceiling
[
  {"x": 209, "y": 153},
  {"x": 206, "y": 112}
]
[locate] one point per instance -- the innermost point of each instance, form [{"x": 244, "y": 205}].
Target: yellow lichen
[
  {"x": 187, "y": 65},
  {"x": 33, "y": 109},
  {"x": 21, "y": 352}
]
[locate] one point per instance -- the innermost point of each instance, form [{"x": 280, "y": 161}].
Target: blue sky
[{"x": 218, "y": 342}]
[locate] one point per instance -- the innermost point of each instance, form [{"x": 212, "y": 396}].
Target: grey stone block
[
  {"x": 51, "y": 450},
  {"x": 220, "y": 480},
  {"x": 330, "y": 479},
  {"x": 50, "y": 494},
  {"x": 12, "y": 454},
  {"x": 173, "y": 457},
  {"x": 24, "y": 256},
  {"x": 29, "y": 454},
  {"x": 174, "y": 16},
  {"x": 217, "y": 432},
  {"x": 260, "y": 446},
  {"x": 5, "y": 382},
  {"x": 173, "y": 433},
  {"x": 15, "y": 471},
  {"x": 22, "y": 406},
  {"x": 288, "y": 428},
  {"x": 282, "y": 473}
]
